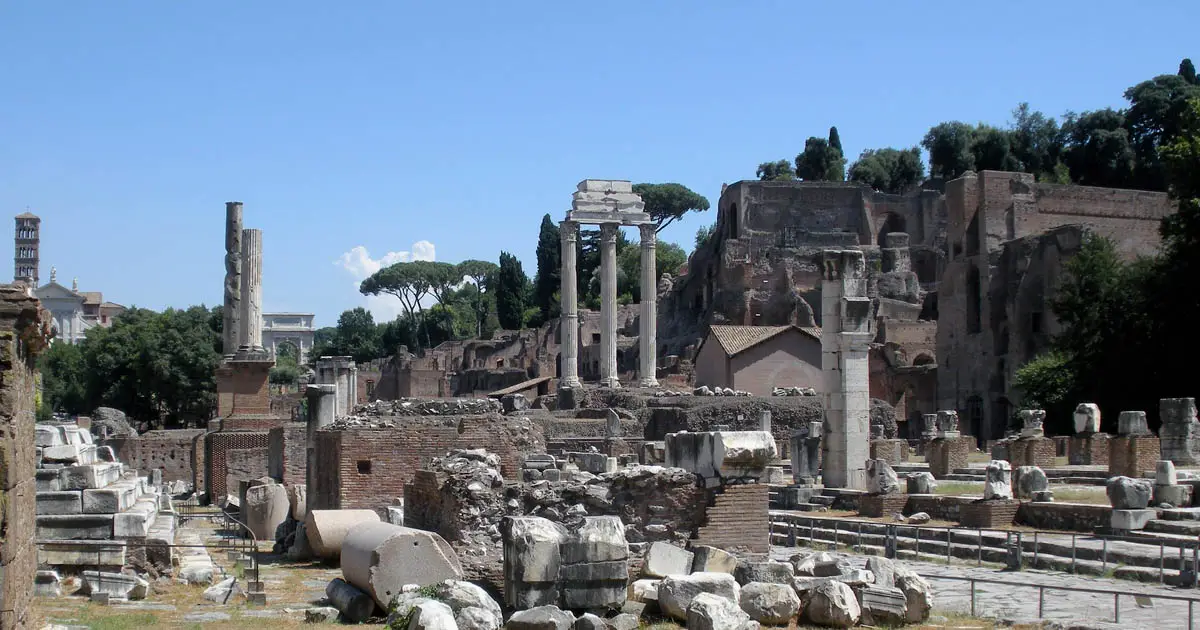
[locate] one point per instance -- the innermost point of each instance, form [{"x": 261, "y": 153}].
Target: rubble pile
[
  {"x": 793, "y": 391},
  {"x": 429, "y": 407},
  {"x": 705, "y": 390}
]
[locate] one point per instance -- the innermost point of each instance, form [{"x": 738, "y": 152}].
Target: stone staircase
[
  {"x": 91, "y": 509},
  {"x": 255, "y": 590}
]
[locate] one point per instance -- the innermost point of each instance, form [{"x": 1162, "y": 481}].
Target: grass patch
[
  {"x": 126, "y": 620},
  {"x": 1080, "y": 494},
  {"x": 957, "y": 488}
]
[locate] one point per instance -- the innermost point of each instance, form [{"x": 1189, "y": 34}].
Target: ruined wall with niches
[
  {"x": 367, "y": 467},
  {"x": 24, "y": 333},
  {"x": 171, "y": 451},
  {"x": 1129, "y": 217},
  {"x": 217, "y": 447},
  {"x": 286, "y": 453}
]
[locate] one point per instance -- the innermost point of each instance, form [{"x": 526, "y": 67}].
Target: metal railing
[
  {"x": 1042, "y": 588},
  {"x": 794, "y": 525}
]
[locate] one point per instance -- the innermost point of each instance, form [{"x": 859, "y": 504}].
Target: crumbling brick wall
[
  {"x": 244, "y": 464},
  {"x": 24, "y": 331},
  {"x": 737, "y": 519},
  {"x": 368, "y": 467},
  {"x": 171, "y": 451},
  {"x": 217, "y": 448},
  {"x": 286, "y": 458}
]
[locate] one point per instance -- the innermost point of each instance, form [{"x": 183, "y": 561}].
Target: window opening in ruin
[
  {"x": 499, "y": 363},
  {"x": 923, "y": 359},
  {"x": 733, "y": 221},
  {"x": 974, "y": 414},
  {"x": 370, "y": 388},
  {"x": 973, "y": 236},
  {"x": 892, "y": 222},
  {"x": 364, "y": 466},
  {"x": 1035, "y": 322},
  {"x": 595, "y": 337},
  {"x": 974, "y": 301}
]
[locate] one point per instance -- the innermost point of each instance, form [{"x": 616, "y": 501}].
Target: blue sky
[{"x": 361, "y": 132}]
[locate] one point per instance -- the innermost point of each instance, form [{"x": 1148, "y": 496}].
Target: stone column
[
  {"x": 569, "y": 319},
  {"x": 231, "y": 315},
  {"x": 845, "y": 341},
  {"x": 648, "y": 330},
  {"x": 321, "y": 402},
  {"x": 251, "y": 325},
  {"x": 608, "y": 305}
]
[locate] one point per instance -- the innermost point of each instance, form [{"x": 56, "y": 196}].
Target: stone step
[
  {"x": 137, "y": 520},
  {"x": 822, "y": 500},
  {"x": 1181, "y": 514},
  {"x": 258, "y": 599},
  {"x": 1184, "y": 528},
  {"x": 75, "y": 527}
]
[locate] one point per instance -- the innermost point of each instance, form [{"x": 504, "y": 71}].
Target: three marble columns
[{"x": 647, "y": 334}]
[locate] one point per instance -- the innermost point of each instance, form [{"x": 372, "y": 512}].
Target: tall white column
[
  {"x": 568, "y": 295},
  {"x": 608, "y": 305},
  {"x": 251, "y": 324},
  {"x": 845, "y": 341},
  {"x": 648, "y": 331}
]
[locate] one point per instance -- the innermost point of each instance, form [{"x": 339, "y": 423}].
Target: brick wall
[
  {"x": 891, "y": 451},
  {"x": 173, "y": 452},
  {"x": 367, "y": 468},
  {"x": 24, "y": 328},
  {"x": 217, "y": 447},
  {"x": 1088, "y": 450},
  {"x": 1132, "y": 455},
  {"x": 944, "y": 456},
  {"x": 249, "y": 387},
  {"x": 1032, "y": 452},
  {"x": 286, "y": 459},
  {"x": 737, "y": 519}
]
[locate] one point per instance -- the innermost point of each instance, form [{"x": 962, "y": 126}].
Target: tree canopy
[
  {"x": 821, "y": 160},
  {"x": 667, "y": 203},
  {"x": 512, "y": 290},
  {"x": 889, "y": 170},
  {"x": 779, "y": 170}
]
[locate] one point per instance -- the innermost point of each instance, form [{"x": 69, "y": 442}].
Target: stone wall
[
  {"x": 1077, "y": 517},
  {"x": 244, "y": 464},
  {"x": 287, "y": 453},
  {"x": 368, "y": 467},
  {"x": 1132, "y": 455},
  {"x": 24, "y": 331},
  {"x": 178, "y": 453},
  {"x": 217, "y": 447}
]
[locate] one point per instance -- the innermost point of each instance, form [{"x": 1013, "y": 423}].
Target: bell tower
[{"x": 27, "y": 237}]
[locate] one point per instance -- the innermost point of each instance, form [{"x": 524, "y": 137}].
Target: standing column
[
  {"x": 569, "y": 320},
  {"x": 231, "y": 316},
  {"x": 845, "y": 341},
  {"x": 321, "y": 401},
  {"x": 648, "y": 330},
  {"x": 608, "y": 305},
  {"x": 251, "y": 327}
]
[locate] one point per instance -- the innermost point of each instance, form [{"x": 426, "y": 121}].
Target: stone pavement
[{"x": 1019, "y": 603}]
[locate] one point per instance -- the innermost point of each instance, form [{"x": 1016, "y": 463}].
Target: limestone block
[
  {"x": 921, "y": 483},
  {"x": 88, "y": 476},
  {"x": 136, "y": 521},
  {"x": 1179, "y": 434},
  {"x": 832, "y": 604},
  {"x": 116, "y": 585},
  {"x": 84, "y": 554},
  {"x": 105, "y": 454},
  {"x": 722, "y": 454},
  {"x": 538, "y": 461},
  {"x": 76, "y": 453},
  {"x": 432, "y": 615},
  {"x": 947, "y": 423},
  {"x": 769, "y": 604},
  {"x": 881, "y": 478},
  {"x": 300, "y": 550},
  {"x": 883, "y": 606},
  {"x": 604, "y": 185},
  {"x": 355, "y": 605},
  {"x": 64, "y": 502},
  {"x": 998, "y": 484},
  {"x": 712, "y": 560},
  {"x": 770, "y": 572},
  {"x": 75, "y": 527},
  {"x": 1129, "y": 494},
  {"x": 713, "y": 612},
  {"x": 1087, "y": 418},
  {"x": 1179, "y": 495},
  {"x": 588, "y": 621},
  {"x": 1132, "y": 423},
  {"x": 820, "y": 564},
  {"x": 595, "y": 463},
  {"x": 114, "y": 498},
  {"x": 1029, "y": 480},
  {"x": 1164, "y": 473},
  {"x": 883, "y": 570},
  {"x": 664, "y": 559},
  {"x": 297, "y": 495},
  {"x": 47, "y": 435},
  {"x": 265, "y": 509},
  {"x": 323, "y": 614},
  {"x": 531, "y": 561},
  {"x": 224, "y": 592},
  {"x": 327, "y": 529},
  {"x": 1031, "y": 422},
  {"x": 1132, "y": 519},
  {"x": 675, "y": 593},
  {"x": 461, "y": 595},
  {"x": 514, "y": 403},
  {"x": 48, "y": 480},
  {"x": 395, "y": 514},
  {"x": 918, "y": 595},
  {"x": 472, "y": 618},
  {"x": 853, "y": 577},
  {"x": 643, "y": 590},
  {"x": 47, "y": 584},
  {"x": 541, "y": 618},
  {"x": 380, "y": 558}
]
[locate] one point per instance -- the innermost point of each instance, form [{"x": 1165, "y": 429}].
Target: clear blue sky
[{"x": 378, "y": 125}]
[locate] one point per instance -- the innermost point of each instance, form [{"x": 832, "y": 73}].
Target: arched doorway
[{"x": 892, "y": 222}]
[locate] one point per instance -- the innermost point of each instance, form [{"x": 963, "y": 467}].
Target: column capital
[
  {"x": 568, "y": 228},
  {"x": 608, "y": 232},
  {"x": 649, "y": 234}
]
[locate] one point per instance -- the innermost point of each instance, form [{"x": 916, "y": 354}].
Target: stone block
[
  {"x": 82, "y": 553},
  {"x": 769, "y": 604},
  {"x": 327, "y": 529},
  {"x": 1179, "y": 495},
  {"x": 998, "y": 484},
  {"x": 769, "y": 572},
  {"x": 115, "y": 585},
  {"x": 1125, "y": 493},
  {"x": 75, "y": 527},
  {"x": 541, "y": 618},
  {"x": 1132, "y": 423},
  {"x": 1180, "y": 431},
  {"x": 89, "y": 476},
  {"x": 1027, "y": 481},
  {"x": 881, "y": 479},
  {"x": 1132, "y": 519},
  {"x": 47, "y": 584},
  {"x": 722, "y": 454},
  {"x": 595, "y": 463},
  {"x": 921, "y": 483},
  {"x": 65, "y": 502},
  {"x": 380, "y": 558},
  {"x": 707, "y": 559},
  {"x": 675, "y": 593},
  {"x": 265, "y": 509},
  {"x": 46, "y": 435},
  {"x": 832, "y": 604},
  {"x": 48, "y": 480},
  {"x": 531, "y": 561},
  {"x": 111, "y": 499},
  {"x": 594, "y": 595},
  {"x": 882, "y": 606},
  {"x": 664, "y": 559},
  {"x": 1087, "y": 418},
  {"x": 713, "y": 612},
  {"x": 1164, "y": 473},
  {"x": 298, "y": 500},
  {"x": 136, "y": 521}
]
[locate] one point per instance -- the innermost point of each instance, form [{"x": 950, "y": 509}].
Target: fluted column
[
  {"x": 231, "y": 318},
  {"x": 608, "y": 305},
  {"x": 648, "y": 330},
  {"x": 568, "y": 295},
  {"x": 251, "y": 328}
]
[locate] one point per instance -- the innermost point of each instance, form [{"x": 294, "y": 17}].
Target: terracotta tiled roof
[
  {"x": 92, "y": 297},
  {"x": 26, "y": 215},
  {"x": 735, "y": 339}
]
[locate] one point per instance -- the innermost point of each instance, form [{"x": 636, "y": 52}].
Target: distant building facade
[
  {"x": 758, "y": 359},
  {"x": 74, "y": 312},
  {"x": 296, "y": 329}
]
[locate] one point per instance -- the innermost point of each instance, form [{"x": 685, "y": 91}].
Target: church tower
[{"x": 28, "y": 235}]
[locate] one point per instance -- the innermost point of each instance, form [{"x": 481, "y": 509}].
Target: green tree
[
  {"x": 549, "y": 269},
  {"x": 668, "y": 258},
  {"x": 779, "y": 170},
  {"x": 820, "y": 162},
  {"x": 1098, "y": 151},
  {"x": 408, "y": 283},
  {"x": 481, "y": 273},
  {"x": 835, "y": 140},
  {"x": 991, "y": 150},
  {"x": 1047, "y": 383},
  {"x": 357, "y": 336},
  {"x": 512, "y": 287},
  {"x": 667, "y": 203},
  {"x": 64, "y": 378},
  {"x": 889, "y": 170},
  {"x": 1154, "y": 118},
  {"x": 949, "y": 147},
  {"x": 704, "y": 233},
  {"x": 1187, "y": 71},
  {"x": 1037, "y": 142}
]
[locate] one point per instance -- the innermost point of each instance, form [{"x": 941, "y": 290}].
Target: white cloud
[{"x": 359, "y": 263}]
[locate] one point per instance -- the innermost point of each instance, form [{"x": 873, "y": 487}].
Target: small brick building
[{"x": 758, "y": 359}]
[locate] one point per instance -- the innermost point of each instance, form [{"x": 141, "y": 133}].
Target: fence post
[
  {"x": 1116, "y": 608},
  {"x": 1072, "y": 554},
  {"x": 1035, "y": 549},
  {"x": 978, "y": 549},
  {"x": 1041, "y": 599},
  {"x": 812, "y": 529},
  {"x": 835, "y": 535},
  {"x": 1162, "y": 562},
  {"x": 972, "y": 597},
  {"x": 1190, "y": 602},
  {"x": 948, "y": 544},
  {"x": 917, "y": 549},
  {"x": 1104, "y": 555}
]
